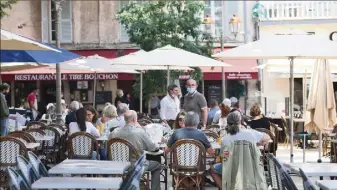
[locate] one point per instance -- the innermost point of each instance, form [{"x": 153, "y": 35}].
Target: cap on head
[{"x": 227, "y": 102}]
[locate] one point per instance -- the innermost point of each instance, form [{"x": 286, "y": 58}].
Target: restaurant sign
[
  {"x": 241, "y": 76},
  {"x": 99, "y": 76}
]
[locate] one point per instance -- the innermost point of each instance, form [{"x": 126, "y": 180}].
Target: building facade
[
  {"x": 91, "y": 27},
  {"x": 292, "y": 17}
]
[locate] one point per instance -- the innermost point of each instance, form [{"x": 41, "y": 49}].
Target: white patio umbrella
[
  {"x": 138, "y": 60},
  {"x": 101, "y": 64},
  {"x": 14, "y": 66},
  {"x": 11, "y": 41},
  {"x": 170, "y": 56},
  {"x": 321, "y": 103},
  {"x": 285, "y": 47}
]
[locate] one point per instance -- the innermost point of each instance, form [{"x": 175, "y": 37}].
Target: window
[
  {"x": 48, "y": 15},
  {"x": 215, "y": 11}
]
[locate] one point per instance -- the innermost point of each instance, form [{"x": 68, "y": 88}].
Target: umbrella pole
[
  {"x": 94, "y": 92},
  {"x": 141, "y": 93},
  {"x": 168, "y": 75},
  {"x": 58, "y": 69},
  {"x": 291, "y": 111},
  {"x": 320, "y": 148}
]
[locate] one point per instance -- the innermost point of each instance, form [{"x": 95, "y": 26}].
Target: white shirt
[
  {"x": 244, "y": 134},
  {"x": 169, "y": 108},
  {"x": 73, "y": 128},
  {"x": 223, "y": 122},
  {"x": 217, "y": 116},
  {"x": 115, "y": 122}
]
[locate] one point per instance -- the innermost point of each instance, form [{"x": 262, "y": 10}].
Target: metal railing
[{"x": 299, "y": 10}]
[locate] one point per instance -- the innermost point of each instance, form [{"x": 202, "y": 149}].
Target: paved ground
[{"x": 283, "y": 154}]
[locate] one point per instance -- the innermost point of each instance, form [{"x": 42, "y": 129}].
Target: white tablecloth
[
  {"x": 71, "y": 166},
  {"x": 327, "y": 184},
  {"x": 315, "y": 169},
  {"x": 77, "y": 183}
]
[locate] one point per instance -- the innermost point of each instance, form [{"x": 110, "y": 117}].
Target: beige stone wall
[
  {"x": 94, "y": 23},
  {"x": 27, "y": 14}
]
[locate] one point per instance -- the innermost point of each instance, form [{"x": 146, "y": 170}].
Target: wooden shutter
[
  {"x": 44, "y": 21},
  {"x": 66, "y": 22}
]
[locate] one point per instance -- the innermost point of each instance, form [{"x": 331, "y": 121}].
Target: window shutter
[
  {"x": 66, "y": 22},
  {"x": 44, "y": 21}
]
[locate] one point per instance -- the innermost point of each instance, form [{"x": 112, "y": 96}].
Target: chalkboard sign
[
  {"x": 103, "y": 97},
  {"x": 214, "y": 93}
]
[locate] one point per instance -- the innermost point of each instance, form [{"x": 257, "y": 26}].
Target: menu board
[
  {"x": 214, "y": 93},
  {"x": 103, "y": 97}
]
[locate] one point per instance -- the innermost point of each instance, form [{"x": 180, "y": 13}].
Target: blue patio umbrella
[{"x": 35, "y": 56}]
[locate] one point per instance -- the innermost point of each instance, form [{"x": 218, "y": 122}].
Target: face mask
[
  {"x": 191, "y": 90},
  {"x": 173, "y": 95}
]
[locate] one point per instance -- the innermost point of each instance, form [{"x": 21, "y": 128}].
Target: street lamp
[{"x": 234, "y": 25}]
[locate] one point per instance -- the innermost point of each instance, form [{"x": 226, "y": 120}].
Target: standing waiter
[{"x": 170, "y": 105}]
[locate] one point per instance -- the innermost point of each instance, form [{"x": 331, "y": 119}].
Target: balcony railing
[{"x": 299, "y": 10}]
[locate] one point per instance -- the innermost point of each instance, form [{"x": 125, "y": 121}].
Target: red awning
[
  {"x": 240, "y": 69},
  {"x": 46, "y": 73}
]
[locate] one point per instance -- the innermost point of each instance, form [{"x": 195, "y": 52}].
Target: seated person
[
  {"x": 214, "y": 108},
  {"x": 117, "y": 121},
  {"x": 71, "y": 116},
  {"x": 179, "y": 122},
  {"x": 82, "y": 125},
  {"x": 109, "y": 112},
  {"x": 141, "y": 141},
  {"x": 218, "y": 113},
  {"x": 258, "y": 120},
  {"x": 190, "y": 131},
  {"x": 238, "y": 132},
  {"x": 50, "y": 115}
]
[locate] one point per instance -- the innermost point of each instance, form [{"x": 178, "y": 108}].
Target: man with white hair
[
  {"x": 190, "y": 131},
  {"x": 71, "y": 117},
  {"x": 118, "y": 121},
  {"x": 141, "y": 141},
  {"x": 217, "y": 115}
]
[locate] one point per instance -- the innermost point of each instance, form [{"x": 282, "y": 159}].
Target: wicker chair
[
  {"x": 121, "y": 150},
  {"x": 285, "y": 182},
  {"x": 10, "y": 148},
  {"x": 215, "y": 128},
  {"x": 286, "y": 131},
  {"x": 21, "y": 136},
  {"x": 271, "y": 149},
  {"x": 27, "y": 170},
  {"x": 16, "y": 181},
  {"x": 52, "y": 148},
  {"x": 188, "y": 161},
  {"x": 35, "y": 125},
  {"x": 82, "y": 145},
  {"x": 211, "y": 135},
  {"x": 306, "y": 182}
]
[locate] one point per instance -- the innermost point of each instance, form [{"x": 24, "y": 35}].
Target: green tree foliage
[
  {"x": 153, "y": 24},
  {"x": 6, "y": 4}
]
